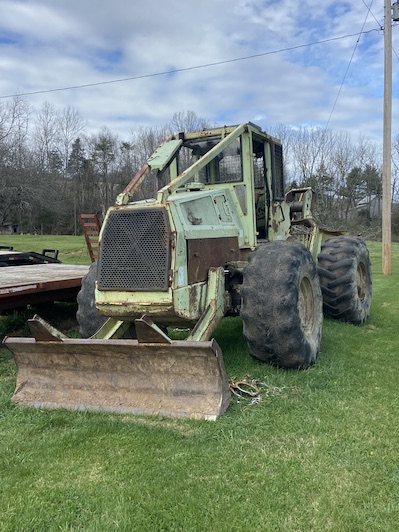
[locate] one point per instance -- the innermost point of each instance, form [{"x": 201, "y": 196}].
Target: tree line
[{"x": 52, "y": 170}]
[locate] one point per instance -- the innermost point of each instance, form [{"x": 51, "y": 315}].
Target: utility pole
[{"x": 387, "y": 142}]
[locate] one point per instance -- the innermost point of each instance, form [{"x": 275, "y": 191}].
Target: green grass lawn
[{"x": 318, "y": 452}]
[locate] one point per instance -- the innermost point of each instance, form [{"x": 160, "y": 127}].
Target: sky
[{"x": 267, "y": 62}]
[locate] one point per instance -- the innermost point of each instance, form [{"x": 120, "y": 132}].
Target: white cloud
[{"x": 47, "y": 45}]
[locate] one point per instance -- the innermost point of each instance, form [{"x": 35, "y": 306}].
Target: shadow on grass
[{"x": 60, "y": 315}]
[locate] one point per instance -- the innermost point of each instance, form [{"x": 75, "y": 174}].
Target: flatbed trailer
[{"x": 39, "y": 283}]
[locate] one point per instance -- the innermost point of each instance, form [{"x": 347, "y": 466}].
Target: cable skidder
[{"x": 203, "y": 230}]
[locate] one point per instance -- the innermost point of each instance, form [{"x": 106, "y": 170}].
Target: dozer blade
[{"x": 175, "y": 379}]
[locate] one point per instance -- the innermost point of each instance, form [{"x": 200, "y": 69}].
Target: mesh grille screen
[{"x": 135, "y": 251}]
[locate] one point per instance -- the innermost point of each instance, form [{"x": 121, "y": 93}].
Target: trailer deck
[{"x": 39, "y": 283}]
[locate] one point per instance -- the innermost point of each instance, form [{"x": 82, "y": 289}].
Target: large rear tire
[
  {"x": 88, "y": 318},
  {"x": 281, "y": 305},
  {"x": 345, "y": 279}
]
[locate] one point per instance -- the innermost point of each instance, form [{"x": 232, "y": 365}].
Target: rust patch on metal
[{"x": 207, "y": 253}]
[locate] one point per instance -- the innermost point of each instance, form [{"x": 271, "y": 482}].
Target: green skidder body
[{"x": 203, "y": 230}]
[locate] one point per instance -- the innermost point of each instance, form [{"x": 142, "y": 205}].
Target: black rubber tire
[
  {"x": 281, "y": 307},
  {"x": 345, "y": 279},
  {"x": 88, "y": 318}
]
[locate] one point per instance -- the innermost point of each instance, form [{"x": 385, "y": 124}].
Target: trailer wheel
[
  {"x": 88, "y": 318},
  {"x": 345, "y": 279},
  {"x": 281, "y": 305}
]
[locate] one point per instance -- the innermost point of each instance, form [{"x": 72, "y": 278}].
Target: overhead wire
[
  {"x": 325, "y": 129},
  {"x": 371, "y": 13},
  {"x": 381, "y": 27},
  {"x": 350, "y": 61},
  {"x": 186, "y": 69}
]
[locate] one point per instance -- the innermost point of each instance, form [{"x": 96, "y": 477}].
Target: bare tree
[
  {"x": 46, "y": 137},
  {"x": 341, "y": 161},
  {"x": 187, "y": 121},
  {"x": 145, "y": 140},
  {"x": 286, "y": 135},
  {"x": 311, "y": 148},
  {"x": 104, "y": 154},
  {"x": 70, "y": 125},
  {"x": 13, "y": 114},
  {"x": 14, "y": 119}
]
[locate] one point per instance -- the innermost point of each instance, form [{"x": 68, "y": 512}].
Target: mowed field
[{"x": 316, "y": 451}]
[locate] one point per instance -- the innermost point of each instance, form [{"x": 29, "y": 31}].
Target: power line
[
  {"x": 343, "y": 79},
  {"x": 350, "y": 62},
  {"x": 178, "y": 70},
  {"x": 372, "y": 14}
]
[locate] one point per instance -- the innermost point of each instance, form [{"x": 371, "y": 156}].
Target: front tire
[
  {"x": 282, "y": 305},
  {"x": 345, "y": 279},
  {"x": 88, "y": 318}
]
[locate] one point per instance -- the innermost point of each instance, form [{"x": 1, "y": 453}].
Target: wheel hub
[
  {"x": 306, "y": 305},
  {"x": 361, "y": 281}
]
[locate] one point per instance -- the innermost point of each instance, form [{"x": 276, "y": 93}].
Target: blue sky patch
[
  {"x": 107, "y": 60},
  {"x": 8, "y": 38}
]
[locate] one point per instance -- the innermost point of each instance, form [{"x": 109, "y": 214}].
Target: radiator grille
[{"x": 134, "y": 254}]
